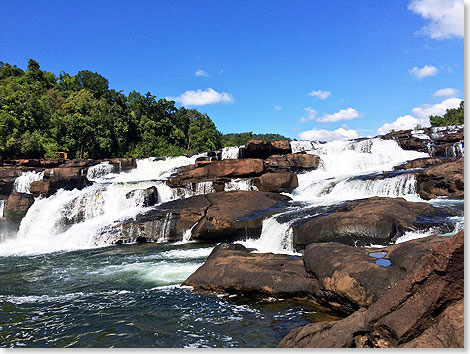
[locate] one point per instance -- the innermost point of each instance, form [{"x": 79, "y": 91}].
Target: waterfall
[
  {"x": 239, "y": 184},
  {"x": 100, "y": 170},
  {"x": 301, "y": 146},
  {"x": 23, "y": 181},
  {"x": 230, "y": 152},
  {"x": 75, "y": 219},
  {"x": 2, "y": 205},
  {"x": 275, "y": 237}
]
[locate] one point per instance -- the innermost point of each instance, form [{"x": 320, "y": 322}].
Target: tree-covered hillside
[{"x": 41, "y": 114}]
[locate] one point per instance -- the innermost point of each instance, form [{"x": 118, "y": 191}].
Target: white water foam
[
  {"x": 23, "y": 182},
  {"x": 100, "y": 170},
  {"x": 275, "y": 238},
  {"x": 2, "y": 206},
  {"x": 240, "y": 184},
  {"x": 230, "y": 152}
]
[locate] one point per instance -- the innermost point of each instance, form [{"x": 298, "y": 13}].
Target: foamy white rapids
[
  {"x": 2, "y": 205},
  {"x": 230, "y": 152},
  {"x": 344, "y": 160},
  {"x": 275, "y": 238},
  {"x": 70, "y": 220},
  {"x": 23, "y": 182},
  {"x": 239, "y": 184},
  {"x": 100, "y": 170}
]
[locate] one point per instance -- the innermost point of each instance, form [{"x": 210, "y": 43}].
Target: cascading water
[
  {"x": 2, "y": 205},
  {"x": 75, "y": 219},
  {"x": 230, "y": 152},
  {"x": 100, "y": 170},
  {"x": 239, "y": 184},
  {"x": 23, "y": 182}
]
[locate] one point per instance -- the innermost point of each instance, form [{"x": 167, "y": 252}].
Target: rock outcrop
[
  {"x": 424, "y": 310},
  {"x": 339, "y": 277},
  {"x": 261, "y": 274},
  {"x": 375, "y": 220},
  {"x": 277, "y": 182},
  {"x": 292, "y": 162},
  {"x": 215, "y": 217},
  {"x": 17, "y": 206},
  {"x": 51, "y": 185},
  {"x": 446, "y": 179},
  {"x": 420, "y": 163}
]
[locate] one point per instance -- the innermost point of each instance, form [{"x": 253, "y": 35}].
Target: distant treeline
[
  {"x": 451, "y": 117},
  {"x": 42, "y": 114}
]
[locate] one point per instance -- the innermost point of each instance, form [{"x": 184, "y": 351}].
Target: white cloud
[
  {"x": 277, "y": 108},
  {"x": 425, "y": 110},
  {"x": 427, "y": 70},
  {"x": 323, "y": 95},
  {"x": 420, "y": 116},
  {"x": 311, "y": 115},
  {"x": 343, "y": 114},
  {"x": 446, "y": 92},
  {"x": 329, "y": 135},
  {"x": 446, "y": 17},
  {"x": 201, "y": 72},
  {"x": 201, "y": 97}
]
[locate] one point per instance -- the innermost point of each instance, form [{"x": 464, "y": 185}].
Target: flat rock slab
[
  {"x": 424, "y": 310},
  {"x": 239, "y": 271},
  {"x": 375, "y": 220}
]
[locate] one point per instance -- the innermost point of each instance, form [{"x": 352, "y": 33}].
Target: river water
[{"x": 63, "y": 282}]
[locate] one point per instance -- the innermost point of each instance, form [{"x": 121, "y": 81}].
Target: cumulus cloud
[
  {"x": 446, "y": 17},
  {"x": 420, "y": 116},
  {"x": 311, "y": 115},
  {"x": 277, "y": 108},
  {"x": 446, "y": 92},
  {"x": 427, "y": 70},
  {"x": 329, "y": 135},
  {"x": 343, "y": 114},
  {"x": 323, "y": 95},
  {"x": 202, "y": 97},
  {"x": 201, "y": 72}
]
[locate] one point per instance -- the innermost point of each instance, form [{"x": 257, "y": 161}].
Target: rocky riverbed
[{"x": 339, "y": 226}]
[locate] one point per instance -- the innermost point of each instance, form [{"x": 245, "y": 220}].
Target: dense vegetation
[
  {"x": 42, "y": 114},
  {"x": 452, "y": 116},
  {"x": 235, "y": 139}
]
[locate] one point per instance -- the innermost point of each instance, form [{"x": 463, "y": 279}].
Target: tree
[{"x": 452, "y": 116}]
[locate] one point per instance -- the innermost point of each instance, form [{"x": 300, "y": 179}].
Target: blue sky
[{"x": 251, "y": 65}]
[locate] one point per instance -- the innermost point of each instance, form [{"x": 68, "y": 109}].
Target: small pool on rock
[{"x": 381, "y": 261}]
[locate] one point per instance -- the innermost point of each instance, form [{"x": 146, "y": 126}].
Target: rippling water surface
[{"x": 129, "y": 296}]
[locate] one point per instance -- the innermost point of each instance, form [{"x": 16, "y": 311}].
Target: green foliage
[
  {"x": 235, "y": 139},
  {"x": 452, "y": 116},
  {"x": 41, "y": 114}
]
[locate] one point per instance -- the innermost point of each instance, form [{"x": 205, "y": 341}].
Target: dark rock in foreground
[
  {"x": 215, "y": 217},
  {"x": 445, "y": 179},
  {"x": 239, "y": 271},
  {"x": 375, "y": 220},
  {"x": 425, "y": 310},
  {"x": 342, "y": 278}
]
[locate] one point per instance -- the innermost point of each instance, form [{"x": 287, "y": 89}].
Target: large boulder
[
  {"x": 235, "y": 270},
  {"x": 51, "y": 185},
  {"x": 424, "y": 310},
  {"x": 277, "y": 182},
  {"x": 349, "y": 278},
  {"x": 148, "y": 196},
  {"x": 215, "y": 217},
  {"x": 445, "y": 179},
  {"x": 259, "y": 149},
  {"x": 375, "y": 220},
  {"x": 17, "y": 206},
  {"x": 207, "y": 171},
  {"x": 280, "y": 147},
  {"x": 292, "y": 162}
]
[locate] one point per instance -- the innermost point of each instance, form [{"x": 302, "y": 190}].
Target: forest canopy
[
  {"x": 452, "y": 116},
  {"x": 42, "y": 114}
]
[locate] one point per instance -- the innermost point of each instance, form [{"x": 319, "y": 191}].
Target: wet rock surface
[
  {"x": 375, "y": 220},
  {"x": 292, "y": 162},
  {"x": 215, "y": 217},
  {"x": 277, "y": 182},
  {"x": 51, "y": 185},
  {"x": 424, "y": 310},
  {"x": 446, "y": 179},
  {"x": 17, "y": 206}
]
